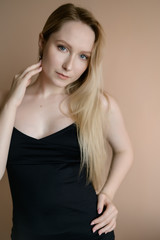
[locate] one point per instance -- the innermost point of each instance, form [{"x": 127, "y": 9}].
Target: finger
[
  {"x": 104, "y": 223},
  {"x": 32, "y": 73},
  {"x": 27, "y": 70},
  {"x": 110, "y": 210},
  {"x": 107, "y": 228},
  {"x": 110, "y": 215},
  {"x": 98, "y": 226},
  {"x": 30, "y": 68},
  {"x": 17, "y": 75},
  {"x": 26, "y": 80},
  {"x": 111, "y": 228},
  {"x": 100, "y": 204}
]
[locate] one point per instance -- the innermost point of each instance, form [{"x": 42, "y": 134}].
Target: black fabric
[{"x": 50, "y": 200}]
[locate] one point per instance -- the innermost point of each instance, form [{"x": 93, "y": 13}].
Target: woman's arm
[
  {"x": 122, "y": 149},
  {"x": 121, "y": 163},
  {"x": 7, "y": 117},
  {"x": 9, "y": 103}
]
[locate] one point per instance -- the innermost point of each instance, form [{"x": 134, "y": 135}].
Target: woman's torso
[{"x": 40, "y": 116}]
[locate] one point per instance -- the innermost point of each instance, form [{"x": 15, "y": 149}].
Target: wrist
[{"x": 108, "y": 193}]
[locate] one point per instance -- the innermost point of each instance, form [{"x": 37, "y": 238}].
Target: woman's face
[{"x": 67, "y": 52}]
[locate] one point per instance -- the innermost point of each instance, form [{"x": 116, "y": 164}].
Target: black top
[{"x": 50, "y": 200}]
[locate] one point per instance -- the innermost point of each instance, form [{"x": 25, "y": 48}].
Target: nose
[{"x": 68, "y": 63}]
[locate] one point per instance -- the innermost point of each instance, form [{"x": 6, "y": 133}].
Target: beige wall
[{"x": 131, "y": 75}]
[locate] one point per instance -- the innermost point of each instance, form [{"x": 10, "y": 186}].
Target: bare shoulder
[
  {"x": 3, "y": 96},
  {"x": 109, "y": 103},
  {"x": 117, "y": 134},
  {"x": 112, "y": 110}
]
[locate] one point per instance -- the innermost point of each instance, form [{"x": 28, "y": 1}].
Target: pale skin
[{"x": 29, "y": 107}]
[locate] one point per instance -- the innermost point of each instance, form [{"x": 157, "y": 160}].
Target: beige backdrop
[{"x": 131, "y": 75}]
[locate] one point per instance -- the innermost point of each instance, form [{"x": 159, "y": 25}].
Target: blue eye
[
  {"x": 62, "y": 48},
  {"x": 84, "y": 57}
]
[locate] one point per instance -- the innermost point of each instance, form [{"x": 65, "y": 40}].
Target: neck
[{"x": 45, "y": 88}]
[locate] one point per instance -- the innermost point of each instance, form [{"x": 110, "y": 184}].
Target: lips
[{"x": 62, "y": 75}]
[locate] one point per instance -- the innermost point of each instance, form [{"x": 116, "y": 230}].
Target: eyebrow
[{"x": 70, "y": 45}]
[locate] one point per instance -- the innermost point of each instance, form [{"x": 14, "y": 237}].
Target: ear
[{"x": 41, "y": 42}]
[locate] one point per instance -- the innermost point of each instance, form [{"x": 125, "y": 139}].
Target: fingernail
[
  {"x": 92, "y": 223},
  {"x": 99, "y": 210}
]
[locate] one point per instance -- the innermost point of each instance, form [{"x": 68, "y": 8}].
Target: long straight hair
[{"x": 85, "y": 94}]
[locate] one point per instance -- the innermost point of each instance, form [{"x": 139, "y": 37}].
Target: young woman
[{"x": 54, "y": 134}]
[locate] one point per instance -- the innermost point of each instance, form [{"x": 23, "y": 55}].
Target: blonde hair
[{"x": 85, "y": 94}]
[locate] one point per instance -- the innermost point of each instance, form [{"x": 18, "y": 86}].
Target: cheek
[
  {"x": 80, "y": 69},
  {"x": 51, "y": 57}
]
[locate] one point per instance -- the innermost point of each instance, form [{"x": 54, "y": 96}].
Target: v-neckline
[{"x": 42, "y": 138}]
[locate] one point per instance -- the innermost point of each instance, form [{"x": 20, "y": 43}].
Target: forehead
[{"x": 77, "y": 34}]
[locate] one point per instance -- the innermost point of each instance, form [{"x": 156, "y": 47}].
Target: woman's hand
[
  {"x": 21, "y": 82},
  {"x": 107, "y": 221}
]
